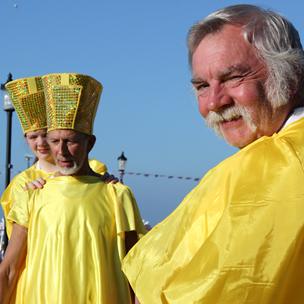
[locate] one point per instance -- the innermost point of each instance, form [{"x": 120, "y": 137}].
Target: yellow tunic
[
  {"x": 29, "y": 175},
  {"x": 238, "y": 237},
  {"x": 74, "y": 229}
]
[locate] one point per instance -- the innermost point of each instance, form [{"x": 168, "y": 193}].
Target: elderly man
[
  {"x": 238, "y": 237},
  {"x": 74, "y": 232}
]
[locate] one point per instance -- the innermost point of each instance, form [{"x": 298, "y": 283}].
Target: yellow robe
[
  {"x": 29, "y": 175},
  {"x": 75, "y": 230},
  {"x": 238, "y": 237}
]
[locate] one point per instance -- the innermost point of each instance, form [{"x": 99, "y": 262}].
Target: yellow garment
[
  {"x": 98, "y": 166},
  {"x": 237, "y": 238},
  {"x": 29, "y": 175},
  {"x": 73, "y": 231}
]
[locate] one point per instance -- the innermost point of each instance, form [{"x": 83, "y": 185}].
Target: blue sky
[{"x": 137, "y": 49}]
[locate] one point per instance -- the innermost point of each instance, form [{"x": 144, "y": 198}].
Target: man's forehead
[
  {"x": 224, "y": 72},
  {"x": 64, "y": 133}
]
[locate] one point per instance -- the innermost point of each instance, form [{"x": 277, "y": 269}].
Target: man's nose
[
  {"x": 63, "y": 148},
  {"x": 217, "y": 98}
]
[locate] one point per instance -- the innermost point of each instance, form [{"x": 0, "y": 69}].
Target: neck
[
  {"x": 47, "y": 166},
  {"x": 289, "y": 114},
  {"x": 279, "y": 117},
  {"x": 85, "y": 170}
]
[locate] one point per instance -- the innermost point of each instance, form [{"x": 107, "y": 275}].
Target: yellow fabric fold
[{"x": 238, "y": 237}]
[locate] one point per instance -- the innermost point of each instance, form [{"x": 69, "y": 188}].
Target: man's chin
[
  {"x": 239, "y": 141},
  {"x": 239, "y": 134},
  {"x": 68, "y": 170}
]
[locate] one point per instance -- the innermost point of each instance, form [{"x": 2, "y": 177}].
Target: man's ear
[{"x": 91, "y": 142}]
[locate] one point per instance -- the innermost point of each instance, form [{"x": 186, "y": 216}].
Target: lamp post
[
  {"x": 9, "y": 109},
  {"x": 122, "y": 161}
]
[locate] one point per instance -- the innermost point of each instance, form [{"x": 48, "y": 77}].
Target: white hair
[{"x": 275, "y": 39}]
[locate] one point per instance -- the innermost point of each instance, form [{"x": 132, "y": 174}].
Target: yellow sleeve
[
  {"x": 19, "y": 210},
  {"x": 126, "y": 211},
  {"x": 6, "y": 199},
  {"x": 16, "y": 185},
  {"x": 127, "y": 215},
  {"x": 6, "y": 206}
]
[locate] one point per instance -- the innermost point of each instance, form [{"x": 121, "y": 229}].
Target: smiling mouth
[
  {"x": 43, "y": 151},
  {"x": 232, "y": 122},
  {"x": 65, "y": 163}
]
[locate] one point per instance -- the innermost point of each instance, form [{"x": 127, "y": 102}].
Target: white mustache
[{"x": 214, "y": 119}]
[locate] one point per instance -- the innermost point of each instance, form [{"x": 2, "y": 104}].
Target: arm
[
  {"x": 131, "y": 238},
  {"x": 12, "y": 262}
]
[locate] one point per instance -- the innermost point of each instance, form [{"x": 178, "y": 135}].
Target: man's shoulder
[
  {"x": 282, "y": 144},
  {"x": 98, "y": 166},
  {"x": 272, "y": 150},
  {"x": 276, "y": 161},
  {"x": 120, "y": 188},
  {"x": 24, "y": 177}
]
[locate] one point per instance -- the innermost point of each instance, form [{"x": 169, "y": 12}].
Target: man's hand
[
  {"x": 109, "y": 178},
  {"x": 36, "y": 184}
]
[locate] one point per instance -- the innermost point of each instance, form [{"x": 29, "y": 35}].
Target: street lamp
[
  {"x": 9, "y": 109},
  {"x": 122, "y": 161}
]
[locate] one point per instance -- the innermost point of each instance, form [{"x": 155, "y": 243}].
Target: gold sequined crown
[
  {"x": 71, "y": 101},
  {"x": 28, "y": 99}
]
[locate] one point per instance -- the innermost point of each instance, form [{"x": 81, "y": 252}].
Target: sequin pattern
[
  {"x": 71, "y": 101},
  {"x": 28, "y": 99}
]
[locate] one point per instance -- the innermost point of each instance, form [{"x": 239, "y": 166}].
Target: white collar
[{"x": 296, "y": 115}]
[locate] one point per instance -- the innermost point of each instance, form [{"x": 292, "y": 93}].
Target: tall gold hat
[
  {"x": 28, "y": 99},
  {"x": 71, "y": 101}
]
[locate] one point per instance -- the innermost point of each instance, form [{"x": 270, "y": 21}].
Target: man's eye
[
  {"x": 201, "y": 88},
  {"x": 234, "y": 79},
  {"x": 73, "y": 142}
]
